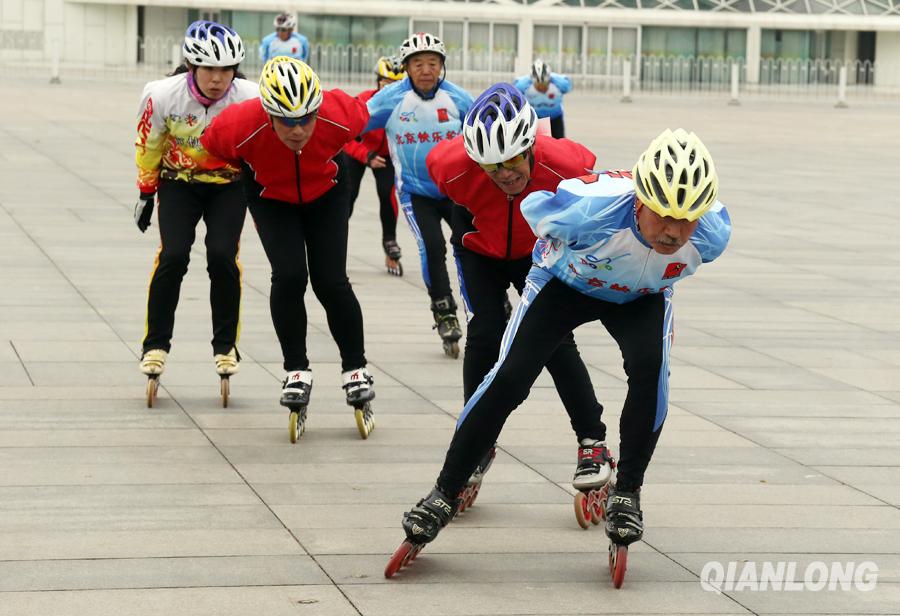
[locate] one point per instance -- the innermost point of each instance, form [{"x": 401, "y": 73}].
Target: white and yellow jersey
[{"x": 170, "y": 122}]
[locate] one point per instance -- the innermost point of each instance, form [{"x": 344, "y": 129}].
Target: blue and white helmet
[
  {"x": 500, "y": 125},
  {"x": 207, "y": 43}
]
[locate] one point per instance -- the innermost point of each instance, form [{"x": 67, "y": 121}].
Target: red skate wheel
[
  {"x": 473, "y": 494},
  {"x": 596, "y": 507},
  {"x": 618, "y": 561},
  {"x": 582, "y": 510},
  {"x": 415, "y": 552},
  {"x": 399, "y": 559}
]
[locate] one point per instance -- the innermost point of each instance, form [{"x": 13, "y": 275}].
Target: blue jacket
[
  {"x": 547, "y": 104},
  {"x": 297, "y": 46}
]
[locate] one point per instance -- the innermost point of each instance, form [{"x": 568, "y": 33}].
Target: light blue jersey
[
  {"x": 588, "y": 238},
  {"x": 297, "y": 46},
  {"x": 413, "y": 126},
  {"x": 547, "y": 104}
]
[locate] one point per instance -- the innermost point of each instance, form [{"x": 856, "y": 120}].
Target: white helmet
[
  {"x": 207, "y": 43},
  {"x": 540, "y": 71},
  {"x": 676, "y": 176},
  {"x": 289, "y": 88},
  {"x": 421, "y": 42},
  {"x": 500, "y": 124},
  {"x": 285, "y": 21}
]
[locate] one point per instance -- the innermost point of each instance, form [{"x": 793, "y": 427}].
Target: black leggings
[
  {"x": 181, "y": 206},
  {"x": 557, "y": 127},
  {"x": 484, "y": 282},
  {"x": 424, "y": 215},
  {"x": 314, "y": 233},
  {"x": 548, "y": 312},
  {"x": 384, "y": 186}
]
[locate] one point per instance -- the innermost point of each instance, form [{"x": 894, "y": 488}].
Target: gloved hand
[
  {"x": 143, "y": 210},
  {"x": 374, "y": 161}
]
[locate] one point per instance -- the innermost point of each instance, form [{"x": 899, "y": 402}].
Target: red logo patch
[
  {"x": 673, "y": 270},
  {"x": 443, "y": 116}
]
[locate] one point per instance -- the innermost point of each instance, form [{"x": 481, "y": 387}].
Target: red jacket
[
  {"x": 244, "y": 133},
  {"x": 500, "y": 230},
  {"x": 372, "y": 141}
]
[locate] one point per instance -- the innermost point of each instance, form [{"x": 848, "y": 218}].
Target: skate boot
[
  {"x": 594, "y": 470},
  {"x": 226, "y": 365},
  {"x": 392, "y": 257},
  {"x": 295, "y": 392},
  {"x": 447, "y": 325},
  {"x": 422, "y": 524},
  {"x": 624, "y": 526},
  {"x": 357, "y": 386},
  {"x": 153, "y": 362},
  {"x": 470, "y": 492}
]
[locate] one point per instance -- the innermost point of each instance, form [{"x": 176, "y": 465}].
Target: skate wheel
[
  {"x": 401, "y": 556},
  {"x": 225, "y": 388},
  {"x": 294, "y": 426},
  {"x": 475, "y": 489},
  {"x": 601, "y": 498},
  {"x": 618, "y": 561},
  {"x": 582, "y": 511},
  {"x": 365, "y": 421},
  {"x": 152, "y": 387},
  {"x": 596, "y": 507},
  {"x": 451, "y": 349}
]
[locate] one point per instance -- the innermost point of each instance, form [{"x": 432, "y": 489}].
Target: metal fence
[{"x": 352, "y": 66}]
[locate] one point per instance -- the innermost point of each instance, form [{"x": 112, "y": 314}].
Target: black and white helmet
[
  {"x": 540, "y": 71},
  {"x": 285, "y": 21},
  {"x": 207, "y": 43},
  {"x": 421, "y": 42}
]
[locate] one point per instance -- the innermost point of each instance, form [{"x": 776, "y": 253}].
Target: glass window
[
  {"x": 453, "y": 35},
  {"x": 422, "y": 25},
  {"x": 624, "y": 41},
  {"x": 506, "y": 37},
  {"x": 546, "y": 41}
]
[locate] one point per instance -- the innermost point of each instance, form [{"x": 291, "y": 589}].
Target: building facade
[{"x": 580, "y": 37}]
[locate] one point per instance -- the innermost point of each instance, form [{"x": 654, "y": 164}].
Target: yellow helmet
[
  {"x": 390, "y": 68},
  {"x": 676, "y": 176},
  {"x": 289, "y": 88}
]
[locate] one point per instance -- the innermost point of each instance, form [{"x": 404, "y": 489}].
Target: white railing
[{"x": 352, "y": 66}]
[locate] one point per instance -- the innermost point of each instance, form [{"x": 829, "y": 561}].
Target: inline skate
[
  {"x": 226, "y": 365},
  {"x": 470, "y": 492},
  {"x": 295, "y": 393},
  {"x": 421, "y": 525},
  {"x": 624, "y": 526},
  {"x": 392, "y": 257},
  {"x": 447, "y": 325},
  {"x": 592, "y": 475},
  {"x": 153, "y": 363},
  {"x": 357, "y": 386}
]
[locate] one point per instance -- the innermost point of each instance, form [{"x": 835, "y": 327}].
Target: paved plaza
[{"x": 782, "y": 442}]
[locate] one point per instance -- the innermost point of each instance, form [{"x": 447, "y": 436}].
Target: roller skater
[
  {"x": 392, "y": 256},
  {"x": 295, "y": 392},
  {"x": 447, "y": 325},
  {"x": 299, "y": 201},
  {"x": 180, "y": 178},
  {"x": 593, "y": 473},
  {"x": 417, "y": 113},
  {"x": 624, "y": 526},
  {"x": 487, "y": 172},
  {"x": 226, "y": 365},
  {"x": 422, "y": 524},
  {"x": 152, "y": 364},
  {"x": 357, "y": 386},
  {"x": 655, "y": 225}
]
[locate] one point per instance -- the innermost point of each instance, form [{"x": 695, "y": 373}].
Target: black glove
[
  {"x": 369, "y": 158},
  {"x": 143, "y": 210}
]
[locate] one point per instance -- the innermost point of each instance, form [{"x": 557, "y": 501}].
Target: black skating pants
[{"x": 384, "y": 186}]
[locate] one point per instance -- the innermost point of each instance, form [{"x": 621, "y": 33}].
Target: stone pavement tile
[
  {"x": 765, "y": 540},
  {"x": 715, "y": 356},
  {"x": 823, "y": 358},
  {"x": 500, "y": 568},
  {"x": 891, "y": 356},
  {"x": 871, "y": 379},
  {"x": 87, "y": 544},
  {"x": 88, "y": 351},
  {"x": 798, "y": 379},
  {"x": 887, "y": 493},
  {"x": 401, "y": 494},
  {"x": 322, "y": 600},
  {"x": 888, "y": 565},
  {"x": 48, "y": 433},
  {"x": 691, "y": 377},
  {"x": 60, "y": 332},
  {"x": 872, "y": 475},
  {"x": 754, "y": 494},
  {"x": 766, "y": 398},
  {"x": 7, "y": 351},
  {"x": 76, "y": 517},
  {"x": 13, "y": 373},
  {"x": 62, "y": 456},
  {"x": 89, "y": 473},
  {"x": 538, "y": 598},
  {"x": 884, "y": 455},
  {"x": 358, "y": 452},
  {"x": 25, "y": 498},
  {"x": 132, "y": 573},
  {"x": 774, "y": 516},
  {"x": 712, "y": 410},
  {"x": 883, "y": 599}
]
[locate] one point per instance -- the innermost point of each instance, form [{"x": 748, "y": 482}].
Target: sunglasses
[
  {"x": 301, "y": 121},
  {"x": 512, "y": 163}
]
